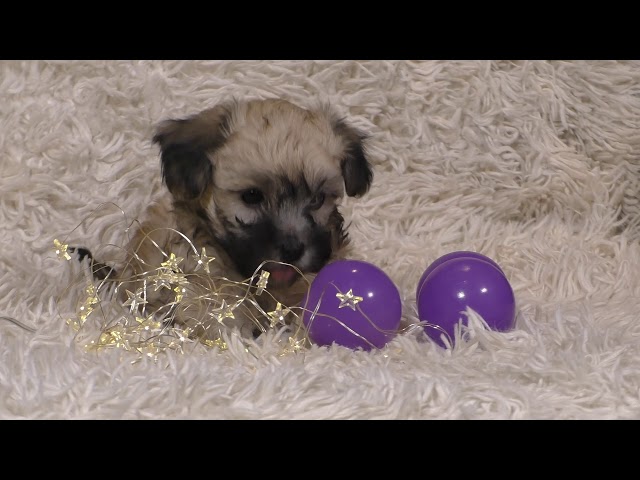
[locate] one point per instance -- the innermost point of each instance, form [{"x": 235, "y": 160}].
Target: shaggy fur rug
[{"x": 534, "y": 164}]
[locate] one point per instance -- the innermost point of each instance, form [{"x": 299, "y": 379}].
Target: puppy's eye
[
  {"x": 317, "y": 201},
  {"x": 253, "y": 196}
]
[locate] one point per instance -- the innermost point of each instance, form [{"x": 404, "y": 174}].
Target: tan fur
[{"x": 251, "y": 144}]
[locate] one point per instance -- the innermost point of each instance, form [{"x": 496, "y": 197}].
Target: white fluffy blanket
[{"x": 535, "y": 164}]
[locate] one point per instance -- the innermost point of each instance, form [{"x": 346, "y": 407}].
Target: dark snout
[{"x": 291, "y": 249}]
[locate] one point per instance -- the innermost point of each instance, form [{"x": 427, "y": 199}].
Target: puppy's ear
[
  {"x": 356, "y": 169},
  {"x": 185, "y": 145}
]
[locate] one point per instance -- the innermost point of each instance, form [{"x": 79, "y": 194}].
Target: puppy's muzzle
[{"x": 291, "y": 249}]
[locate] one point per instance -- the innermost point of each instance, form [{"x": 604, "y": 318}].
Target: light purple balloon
[
  {"x": 381, "y": 303},
  {"x": 458, "y": 283},
  {"x": 449, "y": 256}
]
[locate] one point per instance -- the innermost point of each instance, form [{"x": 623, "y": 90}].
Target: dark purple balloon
[
  {"x": 381, "y": 303},
  {"x": 450, "y": 256},
  {"x": 458, "y": 283}
]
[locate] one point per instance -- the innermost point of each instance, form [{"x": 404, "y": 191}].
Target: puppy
[{"x": 248, "y": 181}]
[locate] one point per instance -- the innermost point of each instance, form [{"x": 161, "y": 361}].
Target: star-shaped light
[
  {"x": 172, "y": 263},
  {"x": 135, "y": 299},
  {"x": 149, "y": 350},
  {"x": 92, "y": 297},
  {"x": 161, "y": 280},
  {"x": 114, "y": 337},
  {"x": 278, "y": 314},
  {"x": 183, "y": 335},
  {"x": 224, "y": 311},
  {"x": 348, "y": 299},
  {"x": 73, "y": 323},
  {"x": 202, "y": 261},
  {"x": 84, "y": 311},
  {"x": 295, "y": 345},
  {"x": 61, "y": 249},
  {"x": 180, "y": 291},
  {"x": 147, "y": 323},
  {"x": 262, "y": 282},
  {"x": 175, "y": 277},
  {"x": 218, "y": 342}
]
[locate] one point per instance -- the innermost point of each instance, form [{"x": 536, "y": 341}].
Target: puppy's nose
[{"x": 291, "y": 249}]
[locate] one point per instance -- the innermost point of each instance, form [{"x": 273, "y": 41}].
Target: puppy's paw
[{"x": 100, "y": 271}]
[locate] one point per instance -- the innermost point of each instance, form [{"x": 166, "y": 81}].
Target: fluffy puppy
[{"x": 250, "y": 181}]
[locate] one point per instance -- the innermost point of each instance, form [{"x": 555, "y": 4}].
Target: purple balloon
[
  {"x": 449, "y": 256},
  {"x": 333, "y": 286},
  {"x": 458, "y": 283}
]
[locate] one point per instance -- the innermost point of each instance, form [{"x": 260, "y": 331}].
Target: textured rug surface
[{"x": 534, "y": 164}]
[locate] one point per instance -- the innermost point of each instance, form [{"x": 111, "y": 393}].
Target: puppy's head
[{"x": 264, "y": 178}]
